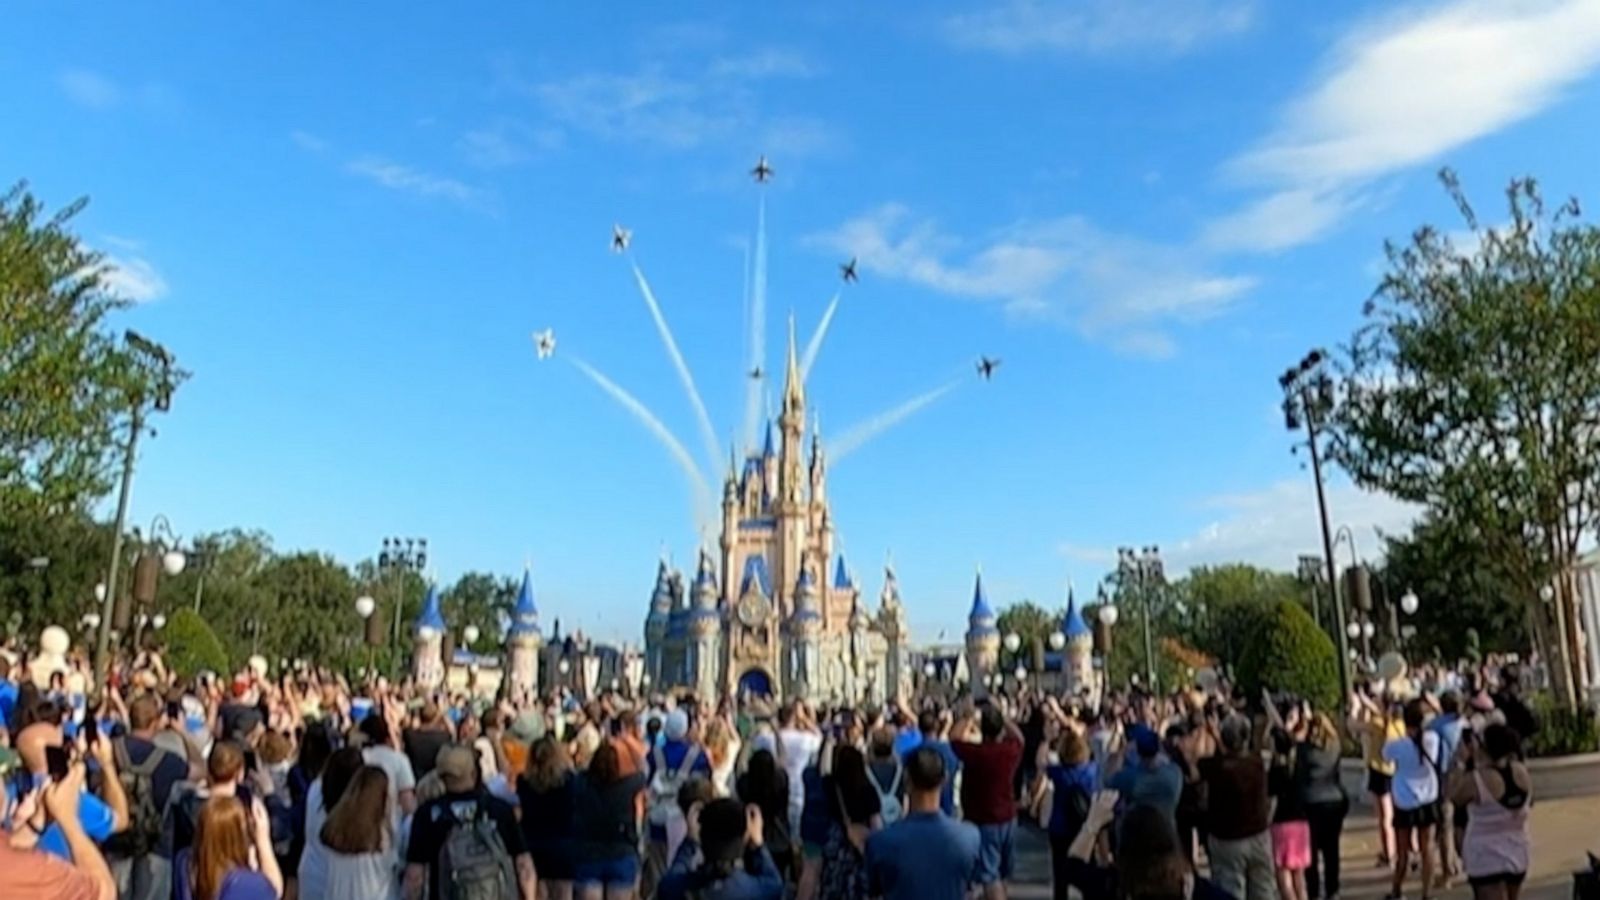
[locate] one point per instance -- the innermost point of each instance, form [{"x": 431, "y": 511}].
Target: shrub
[
  {"x": 1562, "y": 732},
  {"x": 1282, "y": 650},
  {"x": 192, "y": 647}
]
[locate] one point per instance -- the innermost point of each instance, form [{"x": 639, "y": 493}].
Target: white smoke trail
[
  {"x": 707, "y": 433},
  {"x": 815, "y": 345},
  {"x": 854, "y": 438},
  {"x": 758, "y": 329},
  {"x": 697, "y": 481}
]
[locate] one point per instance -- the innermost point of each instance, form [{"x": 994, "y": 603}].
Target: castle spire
[
  {"x": 794, "y": 395},
  {"x": 525, "y": 616}
]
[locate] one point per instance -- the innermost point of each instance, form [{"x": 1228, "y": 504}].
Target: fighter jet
[
  {"x": 544, "y": 343},
  {"x": 619, "y": 238},
  {"x": 986, "y": 367},
  {"x": 762, "y": 172},
  {"x": 847, "y": 271},
  {"x": 756, "y": 374}
]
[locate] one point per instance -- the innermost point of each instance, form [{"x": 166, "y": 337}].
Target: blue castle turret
[
  {"x": 523, "y": 641},
  {"x": 983, "y": 637},
  {"x": 1072, "y": 624},
  {"x": 427, "y": 658}
]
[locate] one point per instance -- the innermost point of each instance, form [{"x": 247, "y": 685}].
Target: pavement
[{"x": 1563, "y": 828}]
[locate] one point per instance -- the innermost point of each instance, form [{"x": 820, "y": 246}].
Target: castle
[{"x": 760, "y": 617}]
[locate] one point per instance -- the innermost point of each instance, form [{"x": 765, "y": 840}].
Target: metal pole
[
  {"x": 199, "y": 589},
  {"x": 1327, "y": 544},
  {"x": 1149, "y": 647},
  {"x": 102, "y": 645}
]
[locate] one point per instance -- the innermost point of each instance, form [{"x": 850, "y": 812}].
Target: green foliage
[
  {"x": 75, "y": 550},
  {"x": 1464, "y": 607},
  {"x": 1281, "y": 649},
  {"x": 1030, "y": 622},
  {"x": 484, "y": 600},
  {"x": 1472, "y": 386},
  {"x": 1562, "y": 731},
  {"x": 67, "y": 384},
  {"x": 1210, "y": 597},
  {"x": 192, "y": 645}
]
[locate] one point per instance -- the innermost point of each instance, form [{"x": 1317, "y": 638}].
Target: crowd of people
[{"x": 305, "y": 786}]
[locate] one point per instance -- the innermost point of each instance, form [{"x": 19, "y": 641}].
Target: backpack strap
[
  {"x": 147, "y": 769},
  {"x": 899, "y": 770},
  {"x": 119, "y": 754},
  {"x": 689, "y": 759},
  {"x": 658, "y": 760}
]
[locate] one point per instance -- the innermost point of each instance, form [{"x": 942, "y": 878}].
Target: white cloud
[
  {"x": 400, "y": 177},
  {"x": 90, "y": 89},
  {"x": 682, "y": 109},
  {"x": 1117, "y": 288},
  {"x": 133, "y": 278},
  {"x": 307, "y": 141},
  {"x": 1274, "y": 526},
  {"x": 769, "y": 63},
  {"x": 507, "y": 142},
  {"x": 1099, "y": 27},
  {"x": 1405, "y": 89}
]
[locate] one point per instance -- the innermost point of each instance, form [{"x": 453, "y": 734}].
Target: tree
[
  {"x": 482, "y": 600},
  {"x": 1472, "y": 389},
  {"x": 1461, "y": 592},
  {"x": 1210, "y": 594},
  {"x": 66, "y": 384},
  {"x": 193, "y": 647},
  {"x": 1284, "y": 650}
]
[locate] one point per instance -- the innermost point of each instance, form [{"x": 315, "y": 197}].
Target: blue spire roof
[
  {"x": 431, "y": 616},
  {"x": 704, "y": 576},
  {"x": 806, "y": 581},
  {"x": 981, "y": 619},
  {"x": 841, "y": 575},
  {"x": 756, "y": 577},
  {"x": 768, "y": 451},
  {"x": 1072, "y": 625},
  {"x": 525, "y": 616}
]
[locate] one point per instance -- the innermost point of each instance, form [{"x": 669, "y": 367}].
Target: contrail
[
  {"x": 815, "y": 346},
  {"x": 854, "y": 438},
  {"x": 758, "y": 328},
  {"x": 707, "y": 433},
  {"x": 653, "y": 424}
]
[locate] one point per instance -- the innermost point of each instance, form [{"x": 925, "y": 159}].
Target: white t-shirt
[
  {"x": 401, "y": 778},
  {"x": 797, "y": 749},
  {"x": 1416, "y": 778},
  {"x": 314, "y": 859}
]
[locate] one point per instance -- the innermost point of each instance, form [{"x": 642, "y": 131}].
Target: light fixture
[
  {"x": 1108, "y": 615},
  {"x": 1013, "y": 641},
  {"x": 100, "y": 592},
  {"x": 1367, "y": 630},
  {"x": 366, "y": 606},
  {"x": 1353, "y": 629},
  {"x": 645, "y": 679},
  {"x": 173, "y": 561},
  {"x": 92, "y": 620},
  {"x": 1546, "y": 593},
  {"x": 471, "y": 634},
  {"x": 1021, "y": 673},
  {"x": 928, "y": 669},
  {"x": 160, "y": 621},
  {"x": 1409, "y": 601},
  {"x": 564, "y": 666},
  {"x": 1057, "y": 640}
]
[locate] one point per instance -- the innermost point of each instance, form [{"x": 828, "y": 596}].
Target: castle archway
[{"x": 755, "y": 682}]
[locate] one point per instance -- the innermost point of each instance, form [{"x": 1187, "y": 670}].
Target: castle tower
[
  {"x": 983, "y": 638},
  {"x": 655, "y": 625},
  {"x": 805, "y": 627},
  {"x": 792, "y": 512},
  {"x": 858, "y": 684},
  {"x": 1077, "y": 664},
  {"x": 674, "y": 651},
  {"x": 892, "y": 624},
  {"x": 523, "y": 642},
  {"x": 705, "y": 631},
  {"x": 427, "y": 661}
]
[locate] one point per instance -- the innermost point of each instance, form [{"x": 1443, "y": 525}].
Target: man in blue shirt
[
  {"x": 927, "y": 855},
  {"x": 930, "y": 725},
  {"x": 100, "y": 818},
  {"x": 908, "y": 736},
  {"x": 1149, "y": 778},
  {"x": 1448, "y": 725}
]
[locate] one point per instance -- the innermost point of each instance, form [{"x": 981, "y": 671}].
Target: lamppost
[
  {"x": 1308, "y": 400},
  {"x": 469, "y": 636},
  {"x": 401, "y": 556},
  {"x": 372, "y": 628},
  {"x": 1143, "y": 569},
  {"x": 1409, "y": 604},
  {"x": 150, "y": 353},
  {"x": 1107, "y": 614}
]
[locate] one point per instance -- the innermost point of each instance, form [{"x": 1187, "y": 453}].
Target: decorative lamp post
[
  {"x": 470, "y": 635},
  {"x": 1144, "y": 571},
  {"x": 1012, "y": 642},
  {"x": 1409, "y": 602},
  {"x": 400, "y": 557}
]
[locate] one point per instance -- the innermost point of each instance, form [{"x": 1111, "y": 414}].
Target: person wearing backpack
[
  {"x": 672, "y": 763},
  {"x": 885, "y": 772},
  {"x": 149, "y": 776},
  {"x": 466, "y": 845}
]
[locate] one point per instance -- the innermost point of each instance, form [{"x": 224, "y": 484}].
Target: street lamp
[
  {"x": 149, "y": 353},
  {"x": 470, "y": 635},
  {"x": 1144, "y": 570},
  {"x": 928, "y": 670},
  {"x": 401, "y": 556},
  {"x": 1012, "y": 642},
  {"x": 1409, "y": 602},
  {"x": 1308, "y": 400}
]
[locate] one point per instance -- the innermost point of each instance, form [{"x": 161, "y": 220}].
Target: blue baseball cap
[{"x": 1145, "y": 739}]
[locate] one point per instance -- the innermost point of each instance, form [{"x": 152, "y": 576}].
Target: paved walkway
[{"x": 1563, "y": 830}]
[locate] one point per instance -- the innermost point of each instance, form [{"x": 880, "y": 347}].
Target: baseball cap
[
  {"x": 458, "y": 768},
  {"x": 1145, "y": 739},
  {"x": 677, "y": 725}
]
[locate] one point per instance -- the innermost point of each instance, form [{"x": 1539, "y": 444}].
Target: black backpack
[{"x": 143, "y": 835}]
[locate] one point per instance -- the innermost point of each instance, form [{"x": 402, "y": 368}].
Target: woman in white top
[
  {"x": 1415, "y": 756},
  {"x": 1493, "y": 785},
  {"x": 722, "y": 746},
  {"x": 323, "y": 795},
  {"x": 363, "y": 863}
]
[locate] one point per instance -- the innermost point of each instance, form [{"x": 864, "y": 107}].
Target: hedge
[{"x": 192, "y": 647}]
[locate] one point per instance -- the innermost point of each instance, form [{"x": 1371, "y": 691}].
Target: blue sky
[{"x": 347, "y": 218}]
